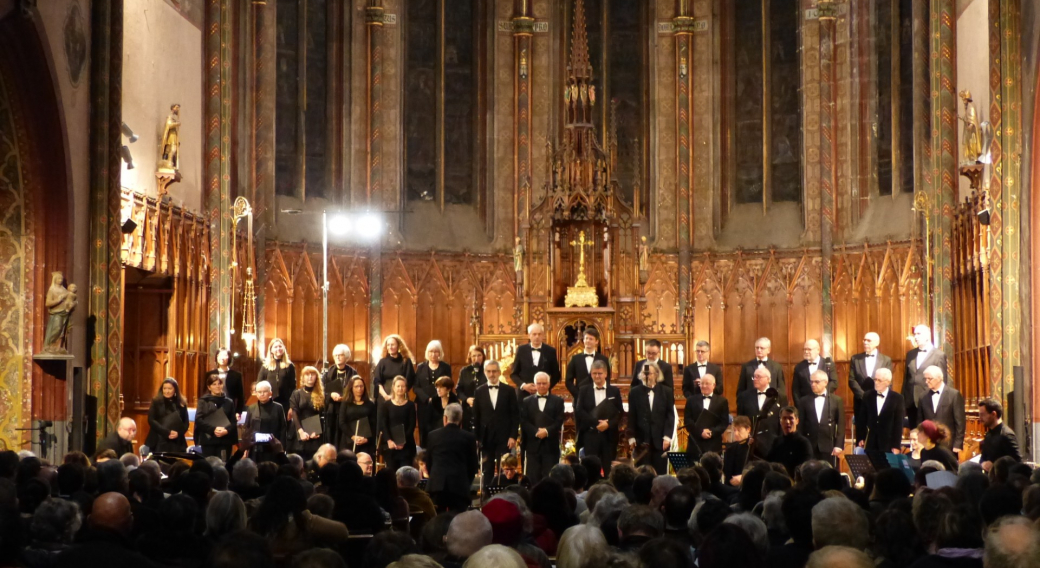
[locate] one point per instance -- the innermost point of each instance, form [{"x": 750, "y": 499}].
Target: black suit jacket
[
  {"x": 451, "y": 459},
  {"x": 859, "y": 381},
  {"x": 950, "y": 413},
  {"x": 524, "y": 369},
  {"x": 826, "y": 435},
  {"x": 233, "y": 388},
  {"x": 651, "y": 425},
  {"x": 666, "y": 373},
  {"x": 495, "y": 425},
  {"x": 691, "y": 375},
  {"x": 694, "y": 407},
  {"x": 578, "y": 372},
  {"x": 884, "y": 431},
  {"x": 800, "y": 385},
  {"x": 531, "y": 419},
  {"x": 765, "y": 423},
  {"x": 586, "y": 405},
  {"x": 914, "y": 386},
  {"x": 747, "y": 372}
]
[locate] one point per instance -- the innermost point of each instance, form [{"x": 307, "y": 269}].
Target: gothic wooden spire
[{"x": 579, "y": 65}]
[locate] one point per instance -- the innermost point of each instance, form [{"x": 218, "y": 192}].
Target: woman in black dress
[
  {"x": 355, "y": 408},
  {"x": 216, "y": 441},
  {"x": 426, "y": 376},
  {"x": 278, "y": 370},
  {"x": 394, "y": 413},
  {"x": 396, "y": 361},
  {"x": 445, "y": 396},
  {"x": 306, "y": 402},
  {"x": 935, "y": 439},
  {"x": 231, "y": 379},
  {"x": 168, "y": 419},
  {"x": 333, "y": 381},
  {"x": 471, "y": 377}
]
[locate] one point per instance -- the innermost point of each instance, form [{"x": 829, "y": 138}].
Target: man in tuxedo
[
  {"x": 801, "y": 382},
  {"x": 651, "y": 417},
  {"x": 917, "y": 360},
  {"x": 763, "y": 411},
  {"x": 861, "y": 373},
  {"x": 884, "y": 417},
  {"x": 999, "y": 440},
  {"x": 700, "y": 440},
  {"x": 579, "y": 367},
  {"x": 944, "y": 404},
  {"x": 652, "y": 349},
  {"x": 763, "y": 347},
  {"x": 452, "y": 461},
  {"x": 792, "y": 448},
  {"x": 598, "y": 437},
  {"x": 823, "y": 419},
  {"x": 693, "y": 372},
  {"x": 541, "y": 420},
  {"x": 496, "y": 414},
  {"x": 534, "y": 357}
]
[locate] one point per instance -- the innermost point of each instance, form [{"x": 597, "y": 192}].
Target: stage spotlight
[
  {"x": 124, "y": 151},
  {"x": 131, "y": 137}
]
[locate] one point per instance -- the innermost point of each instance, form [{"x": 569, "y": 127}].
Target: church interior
[{"x": 181, "y": 176}]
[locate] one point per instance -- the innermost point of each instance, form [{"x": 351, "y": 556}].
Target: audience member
[
  {"x": 839, "y": 557},
  {"x": 838, "y": 521}
]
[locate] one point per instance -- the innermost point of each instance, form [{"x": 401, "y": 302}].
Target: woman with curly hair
[
  {"x": 396, "y": 361},
  {"x": 935, "y": 438}
]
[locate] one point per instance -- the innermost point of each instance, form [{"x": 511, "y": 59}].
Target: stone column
[{"x": 217, "y": 169}]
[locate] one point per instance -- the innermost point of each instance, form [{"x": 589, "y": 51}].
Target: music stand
[
  {"x": 423, "y": 483},
  {"x": 492, "y": 490},
  {"x": 859, "y": 465},
  {"x": 679, "y": 460},
  {"x": 901, "y": 462},
  {"x": 879, "y": 459}
]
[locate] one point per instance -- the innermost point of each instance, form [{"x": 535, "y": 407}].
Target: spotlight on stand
[
  {"x": 124, "y": 152},
  {"x": 131, "y": 137}
]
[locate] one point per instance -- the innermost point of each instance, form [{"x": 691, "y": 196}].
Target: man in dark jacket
[
  {"x": 452, "y": 461},
  {"x": 541, "y": 421},
  {"x": 999, "y": 441},
  {"x": 105, "y": 541},
  {"x": 120, "y": 441},
  {"x": 496, "y": 415}
]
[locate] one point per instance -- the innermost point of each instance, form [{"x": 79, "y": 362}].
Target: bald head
[
  {"x": 325, "y": 454},
  {"x": 127, "y": 428},
  {"x": 111, "y": 511},
  {"x": 839, "y": 557}
]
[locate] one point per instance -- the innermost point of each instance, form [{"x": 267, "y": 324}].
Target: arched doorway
[{"x": 35, "y": 228}]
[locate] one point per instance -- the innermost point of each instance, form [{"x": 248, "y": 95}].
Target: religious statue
[
  {"x": 518, "y": 265},
  {"x": 971, "y": 139},
  {"x": 60, "y": 303},
  {"x": 644, "y": 260},
  {"x": 169, "y": 151}
]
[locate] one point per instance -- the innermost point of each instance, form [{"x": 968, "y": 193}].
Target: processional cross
[{"x": 581, "y": 294}]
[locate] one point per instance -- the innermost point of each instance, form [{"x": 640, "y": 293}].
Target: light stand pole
[{"x": 324, "y": 290}]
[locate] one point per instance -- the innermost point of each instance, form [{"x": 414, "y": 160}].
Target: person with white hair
[
  {"x": 267, "y": 418},
  {"x": 496, "y": 413},
  {"x": 426, "y": 375},
  {"x": 1012, "y": 542},
  {"x": 763, "y": 347},
  {"x": 577, "y": 544},
  {"x": 755, "y": 528},
  {"x": 837, "y": 521},
  {"x": 468, "y": 533},
  {"x": 883, "y": 422},
  {"x": 809, "y": 366},
  {"x": 495, "y": 555},
  {"x": 839, "y": 557},
  {"x": 917, "y": 360},
  {"x": 334, "y": 381},
  {"x": 533, "y": 357},
  {"x": 861, "y": 374}
]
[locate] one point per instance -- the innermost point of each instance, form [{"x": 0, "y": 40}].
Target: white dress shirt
[
  {"x": 869, "y": 362},
  {"x": 813, "y": 366},
  {"x": 935, "y": 398},
  {"x": 600, "y": 393},
  {"x": 493, "y": 393},
  {"x": 702, "y": 369},
  {"x": 922, "y": 355},
  {"x": 707, "y": 402},
  {"x": 820, "y": 400},
  {"x": 651, "y": 397},
  {"x": 881, "y": 400},
  {"x": 536, "y": 355},
  {"x": 541, "y": 402},
  {"x": 761, "y": 399}
]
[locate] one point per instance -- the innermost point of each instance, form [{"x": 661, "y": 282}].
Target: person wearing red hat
[{"x": 935, "y": 439}]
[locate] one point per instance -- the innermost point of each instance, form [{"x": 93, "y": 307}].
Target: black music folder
[
  {"x": 605, "y": 410},
  {"x": 361, "y": 428},
  {"x": 397, "y": 434},
  {"x": 216, "y": 419},
  {"x": 312, "y": 424},
  {"x": 706, "y": 421}
]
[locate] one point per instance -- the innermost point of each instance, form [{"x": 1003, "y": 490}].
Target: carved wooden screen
[{"x": 971, "y": 281}]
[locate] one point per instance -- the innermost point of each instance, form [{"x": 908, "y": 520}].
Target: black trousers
[
  {"x": 489, "y": 461},
  {"x": 452, "y": 502},
  {"x": 601, "y": 445},
  {"x": 221, "y": 451},
  {"x": 538, "y": 463},
  {"x": 657, "y": 459},
  {"x": 396, "y": 459}
]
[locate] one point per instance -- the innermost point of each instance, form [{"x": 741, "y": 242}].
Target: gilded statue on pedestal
[
  {"x": 60, "y": 303},
  {"x": 971, "y": 139},
  {"x": 518, "y": 264},
  {"x": 644, "y": 260},
  {"x": 169, "y": 151}
]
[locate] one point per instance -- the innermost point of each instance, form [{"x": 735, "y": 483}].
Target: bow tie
[
  {"x": 880, "y": 395},
  {"x": 536, "y": 349},
  {"x": 761, "y": 394},
  {"x": 872, "y": 355},
  {"x": 821, "y": 396},
  {"x": 935, "y": 392},
  {"x": 708, "y": 396},
  {"x": 702, "y": 365},
  {"x": 492, "y": 386},
  {"x": 587, "y": 355},
  {"x": 601, "y": 388},
  {"x": 542, "y": 396}
]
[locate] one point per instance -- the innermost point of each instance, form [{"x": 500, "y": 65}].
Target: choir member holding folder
[
  {"x": 168, "y": 419},
  {"x": 307, "y": 404},
  {"x": 215, "y": 424},
  {"x": 357, "y": 418},
  {"x": 597, "y": 413},
  {"x": 706, "y": 419},
  {"x": 397, "y": 426}
]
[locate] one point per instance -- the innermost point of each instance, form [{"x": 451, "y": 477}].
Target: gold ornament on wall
[{"x": 581, "y": 294}]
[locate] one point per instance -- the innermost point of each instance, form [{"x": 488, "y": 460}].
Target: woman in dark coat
[
  {"x": 445, "y": 396},
  {"x": 426, "y": 376},
  {"x": 278, "y": 370},
  {"x": 471, "y": 377},
  {"x": 216, "y": 441},
  {"x": 306, "y": 402},
  {"x": 394, "y": 413},
  {"x": 333, "y": 381},
  {"x": 396, "y": 361},
  {"x": 232, "y": 380},
  {"x": 935, "y": 439},
  {"x": 356, "y": 411},
  {"x": 168, "y": 419}
]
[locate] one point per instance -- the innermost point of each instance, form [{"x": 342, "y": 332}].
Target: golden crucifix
[{"x": 581, "y": 294}]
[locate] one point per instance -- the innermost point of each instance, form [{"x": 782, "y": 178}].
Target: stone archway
[{"x": 35, "y": 228}]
